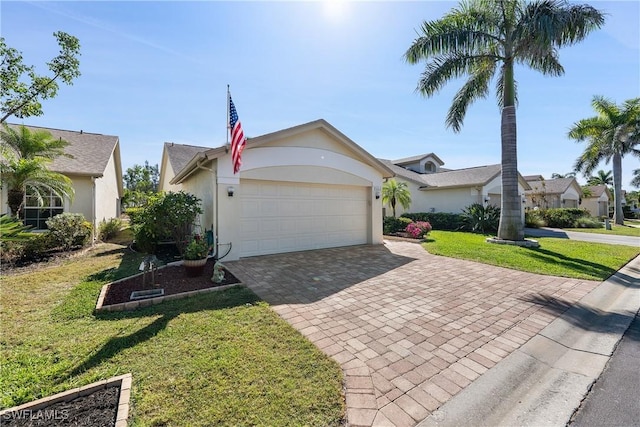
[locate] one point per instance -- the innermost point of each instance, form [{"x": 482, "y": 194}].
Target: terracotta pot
[{"x": 194, "y": 267}]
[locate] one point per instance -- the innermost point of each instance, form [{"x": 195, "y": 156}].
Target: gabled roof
[
  {"x": 417, "y": 158},
  {"x": 91, "y": 151},
  {"x": 597, "y": 191},
  {"x": 321, "y": 124},
  {"x": 533, "y": 178},
  {"x": 402, "y": 172},
  {"x": 179, "y": 155},
  {"x": 480, "y": 175},
  {"x": 553, "y": 186}
]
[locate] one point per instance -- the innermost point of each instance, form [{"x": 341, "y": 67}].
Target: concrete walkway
[{"x": 411, "y": 330}]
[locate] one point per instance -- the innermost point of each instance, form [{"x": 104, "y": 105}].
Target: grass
[
  {"x": 555, "y": 257},
  {"x": 618, "y": 230},
  {"x": 219, "y": 359}
]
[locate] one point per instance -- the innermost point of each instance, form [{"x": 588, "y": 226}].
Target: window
[{"x": 36, "y": 216}]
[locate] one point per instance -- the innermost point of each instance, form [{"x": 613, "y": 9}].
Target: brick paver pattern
[{"x": 409, "y": 329}]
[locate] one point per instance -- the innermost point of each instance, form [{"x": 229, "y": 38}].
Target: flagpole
[{"x": 227, "y": 125}]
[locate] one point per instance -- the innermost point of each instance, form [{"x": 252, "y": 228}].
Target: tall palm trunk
[
  {"x": 510, "y": 227},
  {"x": 618, "y": 215},
  {"x": 15, "y": 199}
]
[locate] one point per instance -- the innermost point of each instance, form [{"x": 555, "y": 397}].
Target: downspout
[{"x": 93, "y": 209}]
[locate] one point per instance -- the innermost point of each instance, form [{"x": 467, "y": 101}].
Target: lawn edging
[{"x": 123, "y": 382}]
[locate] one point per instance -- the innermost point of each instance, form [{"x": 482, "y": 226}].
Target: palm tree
[
  {"x": 636, "y": 178},
  {"x": 563, "y": 175},
  {"x": 612, "y": 134},
  {"x": 485, "y": 38},
  {"x": 25, "y": 158},
  {"x": 394, "y": 192},
  {"x": 601, "y": 178}
]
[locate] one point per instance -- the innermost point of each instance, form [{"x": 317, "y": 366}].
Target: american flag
[{"x": 237, "y": 137}]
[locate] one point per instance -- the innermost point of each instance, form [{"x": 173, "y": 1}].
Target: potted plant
[{"x": 195, "y": 256}]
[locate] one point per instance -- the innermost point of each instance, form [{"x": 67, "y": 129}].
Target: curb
[{"x": 544, "y": 381}]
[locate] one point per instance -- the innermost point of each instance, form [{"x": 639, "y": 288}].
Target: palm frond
[{"x": 477, "y": 86}]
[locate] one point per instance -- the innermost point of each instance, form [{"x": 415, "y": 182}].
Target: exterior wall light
[
  {"x": 230, "y": 191},
  {"x": 377, "y": 191}
]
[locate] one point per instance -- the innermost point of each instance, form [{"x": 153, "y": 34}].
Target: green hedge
[
  {"x": 393, "y": 225},
  {"x": 438, "y": 220},
  {"x": 563, "y": 217}
]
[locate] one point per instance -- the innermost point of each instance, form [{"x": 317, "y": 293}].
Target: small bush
[
  {"x": 134, "y": 214},
  {"x": 109, "y": 229},
  {"x": 533, "y": 219},
  {"x": 563, "y": 217},
  {"x": 438, "y": 220},
  {"x": 419, "y": 229},
  {"x": 478, "y": 218},
  {"x": 69, "y": 230},
  {"x": 587, "y": 222},
  {"x": 392, "y": 225}
]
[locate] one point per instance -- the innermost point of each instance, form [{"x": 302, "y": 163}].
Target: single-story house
[
  {"x": 552, "y": 193},
  {"x": 305, "y": 187},
  {"x": 596, "y": 200},
  {"x": 174, "y": 158},
  {"x": 434, "y": 189},
  {"x": 95, "y": 170}
]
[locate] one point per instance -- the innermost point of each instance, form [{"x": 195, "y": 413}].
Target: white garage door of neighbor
[{"x": 279, "y": 217}]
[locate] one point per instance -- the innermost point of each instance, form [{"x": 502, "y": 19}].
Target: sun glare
[{"x": 335, "y": 10}]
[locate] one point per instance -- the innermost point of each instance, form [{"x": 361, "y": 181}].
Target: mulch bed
[
  {"x": 173, "y": 279},
  {"x": 98, "y": 409}
]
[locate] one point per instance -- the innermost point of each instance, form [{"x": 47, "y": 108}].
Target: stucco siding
[
  {"x": 82, "y": 201},
  {"x": 202, "y": 184},
  {"x": 316, "y": 138},
  {"x": 107, "y": 197}
]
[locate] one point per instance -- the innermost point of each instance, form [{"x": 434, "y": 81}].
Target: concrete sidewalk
[{"x": 543, "y": 382}]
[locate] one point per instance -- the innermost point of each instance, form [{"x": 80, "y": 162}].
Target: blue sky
[{"x": 158, "y": 71}]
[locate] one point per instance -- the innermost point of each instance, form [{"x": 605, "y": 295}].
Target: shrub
[
  {"x": 134, "y": 215},
  {"x": 533, "y": 219},
  {"x": 392, "y": 225},
  {"x": 108, "y": 229},
  {"x": 478, "y": 218},
  {"x": 438, "y": 220},
  {"x": 419, "y": 229},
  {"x": 588, "y": 222},
  {"x": 69, "y": 230},
  {"x": 563, "y": 217},
  {"x": 167, "y": 216}
]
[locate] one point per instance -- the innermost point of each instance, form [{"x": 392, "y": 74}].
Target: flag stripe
[{"x": 237, "y": 137}]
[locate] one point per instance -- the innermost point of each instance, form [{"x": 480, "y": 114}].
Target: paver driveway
[{"x": 409, "y": 329}]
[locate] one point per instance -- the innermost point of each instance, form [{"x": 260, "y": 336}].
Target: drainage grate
[{"x": 146, "y": 294}]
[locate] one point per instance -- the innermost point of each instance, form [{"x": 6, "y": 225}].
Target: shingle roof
[
  {"x": 180, "y": 154},
  {"x": 416, "y": 158},
  {"x": 533, "y": 178},
  {"x": 402, "y": 172},
  {"x": 596, "y": 190},
  {"x": 462, "y": 177},
  {"x": 91, "y": 151},
  {"x": 552, "y": 186}
]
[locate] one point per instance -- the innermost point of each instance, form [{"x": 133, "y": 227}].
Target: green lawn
[
  {"x": 556, "y": 257},
  {"x": 218, "y": 359},
  {"x": 619, "y": 230}
]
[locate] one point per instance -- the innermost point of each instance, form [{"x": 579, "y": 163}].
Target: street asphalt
[
  {"x": 585, "y": 237},
  {"x": 614, "y": 400}
]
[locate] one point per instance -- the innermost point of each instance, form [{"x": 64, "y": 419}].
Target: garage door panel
[{"x": 283, "y": 217}]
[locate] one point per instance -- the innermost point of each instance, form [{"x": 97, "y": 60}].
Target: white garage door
[{"x": 281, "y": 217}]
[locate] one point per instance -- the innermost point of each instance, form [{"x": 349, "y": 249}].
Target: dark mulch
[
  {"x": 98, "y": 409},
  {"x": 173, "y": 279}
]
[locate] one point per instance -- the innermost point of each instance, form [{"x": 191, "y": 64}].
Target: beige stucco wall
[
  {"x": 597, "y": 206},
  {"x": 167, "y": 175},
  {"x": 83, "y": 199},
  {"x": 107, "y": 197},
  {"x": 202, "y": 184}
]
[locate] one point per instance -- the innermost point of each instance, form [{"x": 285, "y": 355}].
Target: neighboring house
[
  {"x": 597, "y": 203},
  {"x": 95, "y": 170},
  {"x": 553, "y": 193},
  {"x": 446, "y": 190},
  {"x": 174, "y": 158},
  {"x": 305, "y": 187}
]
